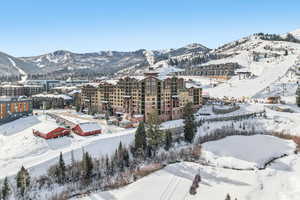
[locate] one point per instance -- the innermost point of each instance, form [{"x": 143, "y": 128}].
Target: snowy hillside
[
  {"x": 277, "y": 182},
  {"x": 267, "y": 61},
  {"x": 296, "y": 33},
  {"x": 36, "y": 153},
  {"x": 107, "y": 61},
  {"x": 246, "y": 152},
  {"x": 11, "y": 66}
]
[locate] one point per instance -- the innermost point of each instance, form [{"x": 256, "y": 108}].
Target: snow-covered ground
[
  {"x": 246, "y": 152},
  {"x": 277, "y": 182},
  {"x": 268, "y": 70},
  {"x": 18, "y": 146}
]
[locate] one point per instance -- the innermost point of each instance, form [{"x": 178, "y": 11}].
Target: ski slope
[
  {"x": 266, "y": 71},
  {"x": 24, "y": 75}
]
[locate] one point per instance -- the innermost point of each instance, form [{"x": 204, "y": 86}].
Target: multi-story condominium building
[
  {"x": 12, "y": 90},
  {"x": 13, "y": 108},
  {"x": 33, "y": 89},
  {"x": 221, "y": 71},
  {"x": 143, "y": 95},
  {"x": 20, "y": 90}
]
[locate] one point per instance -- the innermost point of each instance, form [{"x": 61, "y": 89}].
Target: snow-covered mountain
[
  {"x": 268, "y": 60},
  {"x": 11, "y": 66},
  {"x": 242, "y": 51},
  {"x": 296, "y": 33},
  {"x": 107, "y": 61}
]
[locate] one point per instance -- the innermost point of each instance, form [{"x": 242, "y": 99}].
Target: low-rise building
[
  {"x": 47, "y": 101},
  {"x": 50, "y": 131},
  {"x": 12, "y": 90},
  {"x": 20, "y": 90},
  {"x": 87, "y": 128},
  {"x": 33, "y": 89},
  {"x": 12, "y": 108}
]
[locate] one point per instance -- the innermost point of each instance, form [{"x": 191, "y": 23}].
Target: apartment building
[
  {"x": 12, "y": 108},
  {"x": 20, "y": 90},
  {"x": 142, "y": 95}
]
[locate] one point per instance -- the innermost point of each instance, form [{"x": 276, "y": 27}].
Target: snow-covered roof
[
  {"x": 63, "y": 96},
  {"x": 12, "y": 86},
  {"x": 9, "y": 98},
  {"x": 111, "y": 81},
  {"x": 47, "y": 125},
  {"x": 192, "y": 85},
  {"x": 40, "y": 86},
  {"x": 74, "y": 92},
  {"x": 65, "y": 87},
  {"x": 89, "y": 126},
  {"x": 137, "y": 115}
]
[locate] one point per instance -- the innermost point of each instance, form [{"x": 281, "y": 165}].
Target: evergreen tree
[
  {"x": 120, "y": 157},
  {"x": 23, "y": 180},
  {"x": 107, "y": 165},
  {"x": 140, "y": 137},
  {"x": 77, "y": 107},
  {"x": 5, "y": 192},
  {"x": 87, "y": 166},
  {"x": 126, "y": 158},
  {"x": 168, "y": 140},
  {"x": 61, "y": 169},
  {"x": 154, "y": 134},
  {"x": 228, "y": 197},
  {"x": 189, "y": 123}
]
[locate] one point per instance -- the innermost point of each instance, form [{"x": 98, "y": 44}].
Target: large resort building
[{"x": 140, "y": 96}]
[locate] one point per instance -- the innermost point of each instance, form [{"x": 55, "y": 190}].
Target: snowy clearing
[
  {"x": 278, "y": 182},
  {"x": 18, "y": 146},
  {"x": 246, "y": 152}
]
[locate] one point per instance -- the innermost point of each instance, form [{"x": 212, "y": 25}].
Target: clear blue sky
[{"x": 33, "y": 27}]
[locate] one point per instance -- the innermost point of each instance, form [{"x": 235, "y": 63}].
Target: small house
[
  {"x": 87, "y": 128},
  {"x": 50, "y": 131}
]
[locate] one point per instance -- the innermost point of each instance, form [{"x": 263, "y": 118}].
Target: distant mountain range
[
  {"x": 105, "y": 61},
  {"x": 110, "y": 62}
]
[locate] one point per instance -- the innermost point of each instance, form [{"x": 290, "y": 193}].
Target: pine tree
[
  {"x": 228, "y": 197},
  {"x": 126, "y": 158},
  {"x": 87, "y": 166},
  {"x": 120, "y": 157},
  {"x": 154, "y": 134},
  {"x": 77, "y": 107},
  {"x": 61, "y": 169},
  {"x": 140, "y": 137},
  {"x": 5, "y": 192},
  {"x": 189, "y": 123},
  {"x": 23, "y": 180},
  {"x": 168, "y": 140}
]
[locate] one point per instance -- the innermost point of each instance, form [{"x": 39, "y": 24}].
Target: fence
[{"x": 232, "y": 117}]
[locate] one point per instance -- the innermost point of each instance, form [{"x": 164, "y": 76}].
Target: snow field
[
  {"x": 246, "y": 152},
  {"x": 20, "y": 147}
]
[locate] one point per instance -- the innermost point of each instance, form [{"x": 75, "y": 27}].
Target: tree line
[{"x": 151, "y": 147}]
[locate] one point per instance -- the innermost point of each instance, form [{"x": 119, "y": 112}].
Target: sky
[{"x": 34, "y": 27}]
